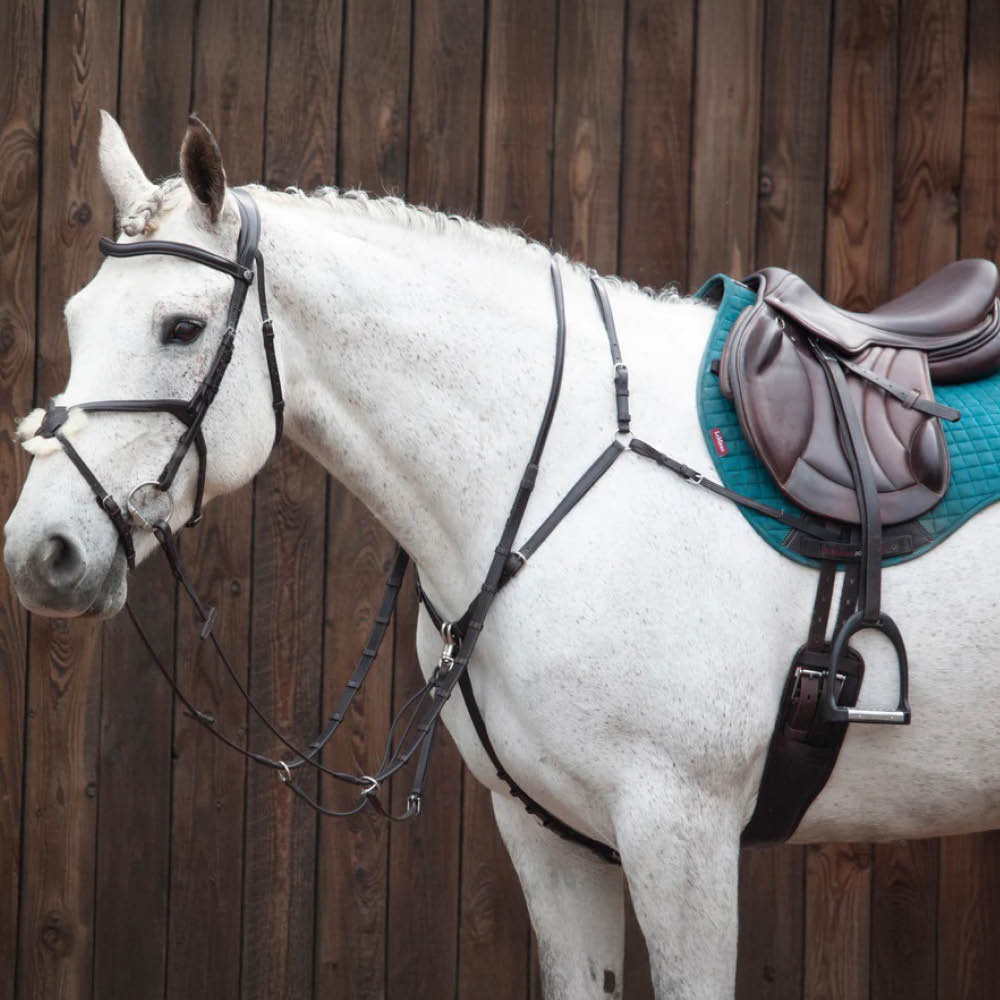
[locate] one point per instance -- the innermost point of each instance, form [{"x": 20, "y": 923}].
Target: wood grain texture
[
  {"x": 288, "y": 562},
  {"x": 838, "y": 892},
  {"x": 862, "y": 118},
  {"x": 133, "y": 837},
  {"x": 656, "y": 157},
  {"x": 56, "y": 940},
  {"x": 904, "y": 920},
  {"x": 928, "y": 139},
  {"x": 968, "y": 965},
  {"x": 353, "y": 853},
  {"x": 208, "y": 795},
  {"x": 772, "y": 918},
  {"x": 980, "y": 201},
  {"x": 969, "y": 924},
  {"x": 793, "y": 154},
  {"x": 726, "y": 128},
  {"x": 790, "y": 225},
  {"x": 374, "y": 101},
  {"x": 585, "y": 184},
  {"x": 424, "y": 855},
  {"x": 21, "y": 51},
  {"x": 353, "y": 872},
  {"x": 518, "y": 109},
  {"x": 518, "y": 120}
]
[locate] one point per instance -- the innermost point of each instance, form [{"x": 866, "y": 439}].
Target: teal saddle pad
[{"x": 973, "y": 442}]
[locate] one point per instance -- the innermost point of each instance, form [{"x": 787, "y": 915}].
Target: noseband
[{"x": 248, "y": 265}]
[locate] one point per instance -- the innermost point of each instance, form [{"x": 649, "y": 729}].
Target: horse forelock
[{"x": 143, "y": 218}]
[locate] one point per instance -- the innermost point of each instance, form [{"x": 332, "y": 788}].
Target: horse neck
[{"x": 417, "y": 364}]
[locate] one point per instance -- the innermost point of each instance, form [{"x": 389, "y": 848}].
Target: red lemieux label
[{"x": 719, "y": 441}]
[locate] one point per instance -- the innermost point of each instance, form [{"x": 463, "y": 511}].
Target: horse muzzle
[{"x": 55, "y": 575}]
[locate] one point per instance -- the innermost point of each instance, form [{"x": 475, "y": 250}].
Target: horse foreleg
[
  {"x": 680, "y": 853},
  {"x": 576, "y": 903}
]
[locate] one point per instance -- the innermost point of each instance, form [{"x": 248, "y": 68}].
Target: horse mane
[{"x": 143, "y": 219}]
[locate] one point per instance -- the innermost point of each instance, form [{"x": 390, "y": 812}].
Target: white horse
[{"x": 630, "y": 674}]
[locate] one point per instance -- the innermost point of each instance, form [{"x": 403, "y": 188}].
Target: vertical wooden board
[
  {"x": 793, "y": 137},
  {"x": 925, "y": 227},
  {"x": 288, "y": 565},
  {"x": 656, "y": 156},
  {"x": 928, "y": 139},
  {"x": 21, "y": 51},
  {"x": 156, "y": 80},
  {"x": 446, "y": 104},
  {"x": 969, "y": 902},
  {"x": 980, "y": 218},
  {"x": 969, "y": 925},
  {"x": 60, "y": 808},
  {"x": 518, "y": 116},
  {"x": 133, "y": 835},
  {"x": 770, "y": 959},
  {"x": 424, "y": 855},
  {"x": 726, "y": 126},
  {"x": 352, "y": 876},
  {"x": 838, "y": 892},
  {"x": 904, "y": 920},
  {"x": 586, "y": 177},
  {"x": 353, "y": 870},
  {"x": 862, "y": 131},
  {"x": 208, "y": 793},
  {"x": 518, "y": 108},
  {"x": 790, "y": 222},
  {"x": 375, "y": 96}
]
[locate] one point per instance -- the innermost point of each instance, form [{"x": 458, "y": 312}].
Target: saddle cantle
[{"x": 773, "y": 370}]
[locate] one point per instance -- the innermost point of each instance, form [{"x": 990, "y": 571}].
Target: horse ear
[
  {"x": 201, "y": 167},
  {"x": 120, "y": 169}
]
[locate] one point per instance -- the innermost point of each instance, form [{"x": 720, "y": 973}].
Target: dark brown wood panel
[
  {"x": 352, "y": 874},
  {"x": 288, "y": 564},
  {"x": 518, "y": 116},
  {"x": 586, "y": 178},
  {"x": 133, "y": 837},
  {"x": 862, "y": 143},
  {"x": 61, "y": 789},
  {"x": 354, "y": 855},
  {"x": 968, "y": 966},
  {"x": 21, "y": 50},
  {"x": 838, "y": 922},
  {"x": 855, "y": 142},
  {"x": 445, "y": 108},
  {"x": 230, "y": 72},
  {"x": 790, "y": 222},
  {"x": 656, "y": 158},
  {"x": 726, "y": 130}
]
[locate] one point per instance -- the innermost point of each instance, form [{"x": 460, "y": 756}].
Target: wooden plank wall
[{"x": 856, "y": 141}]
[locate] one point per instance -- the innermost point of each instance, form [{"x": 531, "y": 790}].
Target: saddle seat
[
  {"x": 952, "y": 316},
  {"x": 775, "y": 367}
]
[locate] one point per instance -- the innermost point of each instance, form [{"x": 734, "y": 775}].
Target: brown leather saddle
[{"x": 839, "y": 406}]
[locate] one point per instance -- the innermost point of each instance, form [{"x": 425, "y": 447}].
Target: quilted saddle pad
[{"x": 973, "y": 442}]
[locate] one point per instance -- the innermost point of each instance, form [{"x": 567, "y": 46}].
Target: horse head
[{"x": 150, "y": 338}]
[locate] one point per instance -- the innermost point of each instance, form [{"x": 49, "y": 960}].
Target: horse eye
[{"x": 182, "y": 331}]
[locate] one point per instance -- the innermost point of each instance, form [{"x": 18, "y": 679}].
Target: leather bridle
[{"x": 191, "y": 412}]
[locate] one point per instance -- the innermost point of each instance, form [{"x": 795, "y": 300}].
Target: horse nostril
[{"x": 60, "y": 562}]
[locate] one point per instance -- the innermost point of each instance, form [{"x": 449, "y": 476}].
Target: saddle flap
[{"x": 784, "y": 406}]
